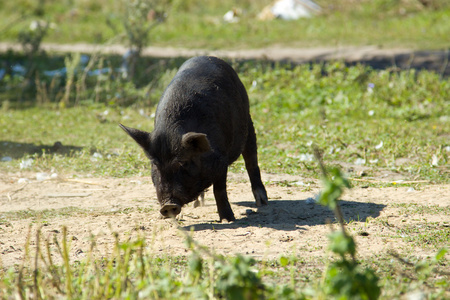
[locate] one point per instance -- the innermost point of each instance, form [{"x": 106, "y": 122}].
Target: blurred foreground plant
[
  {"x": 129, "y": 272},
  {"x": 344, "y": 278}
]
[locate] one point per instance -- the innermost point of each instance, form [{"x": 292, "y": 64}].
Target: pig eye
[{"x": 184, "y": 166}]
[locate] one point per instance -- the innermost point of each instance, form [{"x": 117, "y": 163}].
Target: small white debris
[
  {"x": 306, "y": 157},
  {"x": 371, "y": 113},
  {"x": 313, "y": 200},
  {"x": 54, "y": 176},
  {"x": 360, "y": 161},
  {"x": 231, "y": 16},
  {"x": 300, "y": 183},
  {"x": 309, "y": 143},
  {"x": 142, "y": 113},
  {"x": 23, "y": 180},
  {"x": 254, "y": 83},
  {"x": 249, "y": 212},
  {"x": 6, "y": 158},
  {"x": 96, "y": 156},
  {"x": 294, "y": 9},
  {"x": 42, "y": 176},
  {"x": 310, "y": 200},
  {"x": 373, "y": 161},
  {"x": 447, "y": 148},
  {"x": 416, "y": 296},
  {"x": 38, "y": 24},
  {"x": 35, "y": 25},
  {"x": 444, "y": 118},
  {"x": 26, "y": 163},
  {"x": 434, "y": 160},
  {"x": 410, "y": 189},
  {"x": 379, "y": 146}
]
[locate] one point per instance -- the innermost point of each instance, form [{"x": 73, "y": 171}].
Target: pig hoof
[
  {"x": 170, "y": 210},
  {"x": 228, "y": 219},
  {"x": 260, "y": 197}
]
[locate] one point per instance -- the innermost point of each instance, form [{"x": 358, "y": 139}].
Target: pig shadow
[
  {"x": 15, "y": 150},
  {"x": 293, "y": 214}
]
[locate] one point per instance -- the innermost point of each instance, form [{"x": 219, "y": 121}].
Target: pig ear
[
  {"x": 195, "y": 143},
  {"x": 141, "y": 137}
]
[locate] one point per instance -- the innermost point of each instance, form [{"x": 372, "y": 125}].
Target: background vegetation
[
  {"x": 420, "y": 24},
  {"x": 59, "y": 113},
  {"x": 381, "y": 121}
]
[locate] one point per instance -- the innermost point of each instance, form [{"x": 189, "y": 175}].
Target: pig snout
[{"x": 170, "y": 210}]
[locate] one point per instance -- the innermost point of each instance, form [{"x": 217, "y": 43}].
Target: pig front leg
[
  {"x": 250, "y": 155},
  {"x": 220, "y": 193},
  {"x": 201, "y": 201}
]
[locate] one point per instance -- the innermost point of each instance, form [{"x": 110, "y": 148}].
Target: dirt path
[
  {"x": 376, "y": 57},
  {"x": 291, "y": 224}
]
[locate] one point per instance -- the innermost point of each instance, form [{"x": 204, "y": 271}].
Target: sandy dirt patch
[{"x": 291, "y": 224}]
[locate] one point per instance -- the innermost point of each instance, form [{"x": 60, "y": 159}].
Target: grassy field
[
  {"x": 375, "y": 122},
  {"x": 192, "y": 24},
  {"x": 382, "y": 128}
]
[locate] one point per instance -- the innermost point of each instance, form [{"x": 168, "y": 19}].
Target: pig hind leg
[{"x": 251, "y": 164}]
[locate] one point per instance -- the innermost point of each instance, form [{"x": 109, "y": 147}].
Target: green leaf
[
  {"x": 342, "y": 244},
  {"x": 441, "y": 253},
  {"x": 284, "y": 261},
  {"x": 333, "y": 188},
  {"x": 195, "y": 265}
]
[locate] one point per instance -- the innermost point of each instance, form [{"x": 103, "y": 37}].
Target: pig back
[{"x": 206, "y": 96}]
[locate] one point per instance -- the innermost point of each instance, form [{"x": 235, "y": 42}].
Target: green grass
[
  {"x": 400, "y": 126},
  {"x": 427, "y": 234},
  {"x": 70, "y": 211},
  {"x": 421, "y": 209},
  {"x": 193, "y": 24},
  {"x": 134, "y": 271}
]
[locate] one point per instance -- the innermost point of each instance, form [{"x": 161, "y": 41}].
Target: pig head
[{"x": 176, "y": 166}]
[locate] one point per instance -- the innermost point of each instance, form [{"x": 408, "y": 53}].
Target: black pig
[{"x": 202, "y": 125}]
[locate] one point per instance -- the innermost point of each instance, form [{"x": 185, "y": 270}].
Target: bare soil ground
[{"x": 290, "y": 224}]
